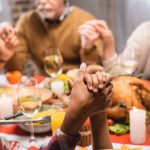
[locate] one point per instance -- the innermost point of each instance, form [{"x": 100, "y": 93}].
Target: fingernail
[
  {"x": 90, "y": 87},
  {"x": 95, "y": 90},
  {"x": 100, "y": 86},
  {"x": 82, "y": 65}
]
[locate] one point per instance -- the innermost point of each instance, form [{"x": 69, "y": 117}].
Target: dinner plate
[{"x": 143, "y": 147}]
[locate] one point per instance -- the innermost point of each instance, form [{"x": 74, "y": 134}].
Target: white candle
[
  {"x": 6, "y": 106},
  {"x": 57, "y": 87},
  {"x": 137, "y": 126}
]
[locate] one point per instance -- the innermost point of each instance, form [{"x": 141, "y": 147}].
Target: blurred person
[
  {"x": 84, "y": 103},
  {"x": 137, "y": 48},
  {"x": 8, "y": 43},
  {"x": 53, "y": 24}
]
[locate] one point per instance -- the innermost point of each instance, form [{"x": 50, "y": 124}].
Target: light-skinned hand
[
  {"x": 88, "y": 36},
  {"x": 8, "y": 41},
  {"x": 95, "y": 29}
]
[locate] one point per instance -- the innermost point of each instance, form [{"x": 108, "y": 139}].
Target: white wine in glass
[
  {"x": 53, "y": 62},
  {"x": 29, "y": 105},
  {"x": 29, "y": 102}
]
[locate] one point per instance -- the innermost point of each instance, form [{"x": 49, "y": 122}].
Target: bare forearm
[
  {"x": 108, "y": 53},
  {"x": 73, "y": 121},
  {"x": 100, "y": 133},
  {"x": 109, "y": 48}
]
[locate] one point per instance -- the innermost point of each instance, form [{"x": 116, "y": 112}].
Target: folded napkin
[
  {"x": 14, "y": 145},
  {"x": 39, "y": 78}
]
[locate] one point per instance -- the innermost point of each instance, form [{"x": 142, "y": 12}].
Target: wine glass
[
  {"x": 53, "y": 61},
  {"x": 29, "y": 102}
]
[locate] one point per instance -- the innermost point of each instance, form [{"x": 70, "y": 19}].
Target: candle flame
[
  {"x": 135, "y": 109},
  {"x": 3, "y": 96}
]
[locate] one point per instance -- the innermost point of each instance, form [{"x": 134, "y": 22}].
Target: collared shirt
[{"x": 66, "y": 12}]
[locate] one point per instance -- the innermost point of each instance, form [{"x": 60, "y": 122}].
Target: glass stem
[{"x": 32, "y": 137}]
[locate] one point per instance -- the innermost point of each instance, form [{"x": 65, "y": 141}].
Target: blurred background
[{"x": 122, "y": 16}]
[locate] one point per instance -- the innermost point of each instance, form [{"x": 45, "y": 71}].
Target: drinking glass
[
  {"x": 53, "y": 61},
  {"x": 57, "y": 117},
  {"x": 29, "y": 102}
]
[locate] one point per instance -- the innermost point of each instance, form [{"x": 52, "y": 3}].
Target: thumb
[
  {"x": 82, "y": 71},
  {"x": 94, "y": 68},
  {"x": 70, "y": 83}
]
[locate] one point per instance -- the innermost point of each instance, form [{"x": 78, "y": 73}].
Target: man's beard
[
  {"x": 45, "y": 12},
  {"x": 46, "y": 15}
]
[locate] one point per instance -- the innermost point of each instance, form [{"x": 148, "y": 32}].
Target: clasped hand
[
  {"x": 8, "y": 41},
  {"x": 90, "y": 93}
]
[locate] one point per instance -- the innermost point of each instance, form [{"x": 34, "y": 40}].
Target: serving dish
[{"x": 39, "y": 127}]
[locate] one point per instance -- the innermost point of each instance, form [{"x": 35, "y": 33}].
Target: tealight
[
  {"x": 137, "y": 126},
  {"x": 57, "y": 87}
]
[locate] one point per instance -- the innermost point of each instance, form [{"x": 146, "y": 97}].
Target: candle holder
[
  {"x": 86, "y": 135},
  {"x": 57, "y": 87}
]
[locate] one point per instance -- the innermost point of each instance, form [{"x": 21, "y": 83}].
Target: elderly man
[{"x": 53, "y": 24}]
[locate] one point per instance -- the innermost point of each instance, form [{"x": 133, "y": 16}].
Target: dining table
[{"x": 14, "y": 134}]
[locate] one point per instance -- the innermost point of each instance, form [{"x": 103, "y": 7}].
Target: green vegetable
[
  {"x": 66, "y": 87},
  {"x": 119, "y": 129},
  {"x": 127, "y": 122}
]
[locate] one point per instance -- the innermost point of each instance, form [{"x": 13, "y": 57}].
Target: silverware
[
  {"x": 40, "y": 120},
  {"x": 13, "y": 116}
]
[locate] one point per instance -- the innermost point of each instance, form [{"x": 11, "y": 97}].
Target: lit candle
[
  {"x": 57, "y": 87},
  {"x": 137, "y": 126},
  {"x": 6, "y": 106}
]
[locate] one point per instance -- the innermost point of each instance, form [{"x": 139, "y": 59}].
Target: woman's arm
[
  {"x": 82, "y": 105},
  {"x": 100, "y": 132}
]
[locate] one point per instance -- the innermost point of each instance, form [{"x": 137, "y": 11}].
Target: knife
[
  {"x": 40, "y": 120},
  {"x": 13, "y": 116}
]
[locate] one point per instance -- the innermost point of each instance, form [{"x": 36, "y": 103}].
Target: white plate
[{"x": 117, "y": 145}]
